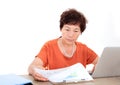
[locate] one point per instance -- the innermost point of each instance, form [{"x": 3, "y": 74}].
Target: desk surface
[{"x": 97, "y": 81}]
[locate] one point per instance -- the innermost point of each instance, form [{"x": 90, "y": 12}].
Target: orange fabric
[{"x": 53, "y": 58}]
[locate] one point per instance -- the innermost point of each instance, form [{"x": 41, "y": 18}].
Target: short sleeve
[
  {"x": 43, "y": 54},
  {"x": 91, "y": 56}
]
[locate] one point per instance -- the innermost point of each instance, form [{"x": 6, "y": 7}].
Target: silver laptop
[{"x": 108, "y": 64}]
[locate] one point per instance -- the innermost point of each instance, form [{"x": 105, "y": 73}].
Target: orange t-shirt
[{"x": 53, "y": 58}]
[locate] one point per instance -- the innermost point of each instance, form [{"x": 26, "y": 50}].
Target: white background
[{"x": 25, "y": 25}]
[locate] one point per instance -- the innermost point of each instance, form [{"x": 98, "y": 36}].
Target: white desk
[{"x": 97, "y": 81}]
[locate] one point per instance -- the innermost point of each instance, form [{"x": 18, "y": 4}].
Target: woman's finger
[{"x": 40, "y": 77}]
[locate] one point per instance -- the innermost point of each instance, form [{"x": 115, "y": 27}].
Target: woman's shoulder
[
  {"x": 51, "y": 42},
  {"x": 81, "y": 44}
]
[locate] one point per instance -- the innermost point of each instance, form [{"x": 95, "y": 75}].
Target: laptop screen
[{"x": 109, "y": 63}]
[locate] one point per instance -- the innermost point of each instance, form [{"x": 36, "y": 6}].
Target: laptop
[{"x": 108, "y": 64}]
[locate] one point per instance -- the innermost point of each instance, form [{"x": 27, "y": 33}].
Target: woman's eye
[
  {"x": 76, "y": 31},
  {"x": 67, "y": 30}
]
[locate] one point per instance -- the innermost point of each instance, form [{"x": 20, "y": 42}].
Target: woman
[{"x": 65, "y": 50}]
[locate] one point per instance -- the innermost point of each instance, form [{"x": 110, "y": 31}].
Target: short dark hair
[{"x": 73, "y": 17}]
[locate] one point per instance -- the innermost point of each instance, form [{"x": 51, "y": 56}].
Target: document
[
  {"x": 74, "y": 73},
  {"x": 12, "y": 79}
]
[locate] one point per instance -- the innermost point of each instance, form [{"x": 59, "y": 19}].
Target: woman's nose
[{"x": 71, "y": 33}]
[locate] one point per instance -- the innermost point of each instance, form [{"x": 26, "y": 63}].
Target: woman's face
[{"x": 70, "y": 33}]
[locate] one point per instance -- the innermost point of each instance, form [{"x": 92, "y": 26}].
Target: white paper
[{"x": 74, "y": 73}]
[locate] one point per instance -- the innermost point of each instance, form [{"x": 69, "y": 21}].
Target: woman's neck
[{"x": 67, "y": 49}]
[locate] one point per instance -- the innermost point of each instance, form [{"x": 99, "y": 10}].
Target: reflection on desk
[{"x": 97, "y": 81}]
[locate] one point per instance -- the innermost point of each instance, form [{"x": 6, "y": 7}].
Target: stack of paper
[
  {"x": 12, "y": 79},
  {"x": 74, "y": 73}
]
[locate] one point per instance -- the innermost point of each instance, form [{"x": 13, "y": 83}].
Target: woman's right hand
[
  {"x": 37, "y": 63},
  {"x": 38, "y": 77}
]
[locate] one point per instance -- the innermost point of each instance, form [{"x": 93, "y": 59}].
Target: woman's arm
[
  {"x": 94, "y": 63},
  {"x": 37, "y": 63}
]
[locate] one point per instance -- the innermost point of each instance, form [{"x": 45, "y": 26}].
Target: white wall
[{"x": 26, "y": 24}]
